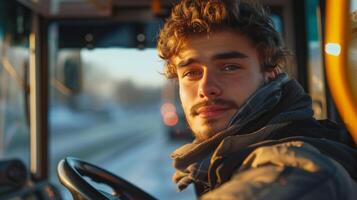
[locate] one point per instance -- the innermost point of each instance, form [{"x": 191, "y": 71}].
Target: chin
[
  {"x": 208, "y": 128},
  {"x": 206, "y": 133}
]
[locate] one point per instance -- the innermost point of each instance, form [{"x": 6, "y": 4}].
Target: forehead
[{"x": 207, "y": 46}]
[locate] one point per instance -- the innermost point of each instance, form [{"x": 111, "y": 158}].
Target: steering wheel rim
[{"x": 71, "y": 172}]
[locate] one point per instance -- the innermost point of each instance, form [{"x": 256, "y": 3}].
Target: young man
[{"x": 255, "y": 135}]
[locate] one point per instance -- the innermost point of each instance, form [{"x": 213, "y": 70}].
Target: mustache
[{"x": 220, "y": 102}]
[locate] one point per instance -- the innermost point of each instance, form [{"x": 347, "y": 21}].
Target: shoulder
[
  {"x": 285, "y": 169},
  {"x": 313, "y": 128}
]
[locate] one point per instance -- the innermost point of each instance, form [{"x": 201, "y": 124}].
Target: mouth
[{"x": 212, "y": 111}]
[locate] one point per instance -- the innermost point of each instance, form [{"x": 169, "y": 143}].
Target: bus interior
[{"x": 82, "y": 79}]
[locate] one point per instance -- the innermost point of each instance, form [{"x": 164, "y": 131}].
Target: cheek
[
  {"x": 186, "y": 94},
  {"x": 242, "y": 87},
  {"x": 254, "y": 76}
]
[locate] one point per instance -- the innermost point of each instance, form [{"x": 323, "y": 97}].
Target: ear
[{"x": 271, "y": 73}]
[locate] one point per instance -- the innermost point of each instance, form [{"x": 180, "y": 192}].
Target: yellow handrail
[{"x": 336, "y": 52}]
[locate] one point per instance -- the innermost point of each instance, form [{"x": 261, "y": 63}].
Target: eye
[
  {"x": 230, "y": 67},
  {"x": 192, "y": 74}
]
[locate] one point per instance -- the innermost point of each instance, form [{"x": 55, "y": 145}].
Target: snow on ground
[{"x": 135, "y": 148}]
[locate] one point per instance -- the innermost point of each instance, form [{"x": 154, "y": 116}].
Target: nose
[{"x": 209, "y": 86}]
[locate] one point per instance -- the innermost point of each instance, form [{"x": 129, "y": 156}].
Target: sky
[{"x": 142, "y": 66}]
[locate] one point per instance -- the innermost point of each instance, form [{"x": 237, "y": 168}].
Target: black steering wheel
[{"x": 71, "y": 173}]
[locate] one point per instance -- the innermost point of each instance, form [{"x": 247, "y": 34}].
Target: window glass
[
  {"x": 105, "y": 108},
  {"x": 278, "y": 23},
  {"x": 315, "y": 69},
  {"x": 14, "y": 55},
  {"x": 353, "y": 5}
]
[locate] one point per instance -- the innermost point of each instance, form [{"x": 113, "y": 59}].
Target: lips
[{"x": 212, "y": 111}]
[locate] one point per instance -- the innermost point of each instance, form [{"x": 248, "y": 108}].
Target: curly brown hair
[{"x": 247, "y": 17}]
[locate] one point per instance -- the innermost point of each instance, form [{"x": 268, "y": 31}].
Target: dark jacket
[{"x": 297, "y": 145}]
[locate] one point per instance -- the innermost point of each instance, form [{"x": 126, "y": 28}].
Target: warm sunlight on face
[{"x": 216, "y": 76}]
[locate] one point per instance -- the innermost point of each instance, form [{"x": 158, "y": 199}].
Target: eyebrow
[
  {"x": 229, "y": 54},
  {"x": 219, "y": 56}
]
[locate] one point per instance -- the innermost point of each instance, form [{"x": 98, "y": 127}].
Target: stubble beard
[{"x": 207, "y": 128}]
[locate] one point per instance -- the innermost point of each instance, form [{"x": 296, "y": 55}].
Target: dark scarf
[{"x": 260, "y": 110}]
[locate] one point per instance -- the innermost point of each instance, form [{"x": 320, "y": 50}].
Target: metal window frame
[{"x": 38, "y": 99}]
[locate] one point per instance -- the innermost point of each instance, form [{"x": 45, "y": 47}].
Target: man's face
[{"x": 216, "y": 76}]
